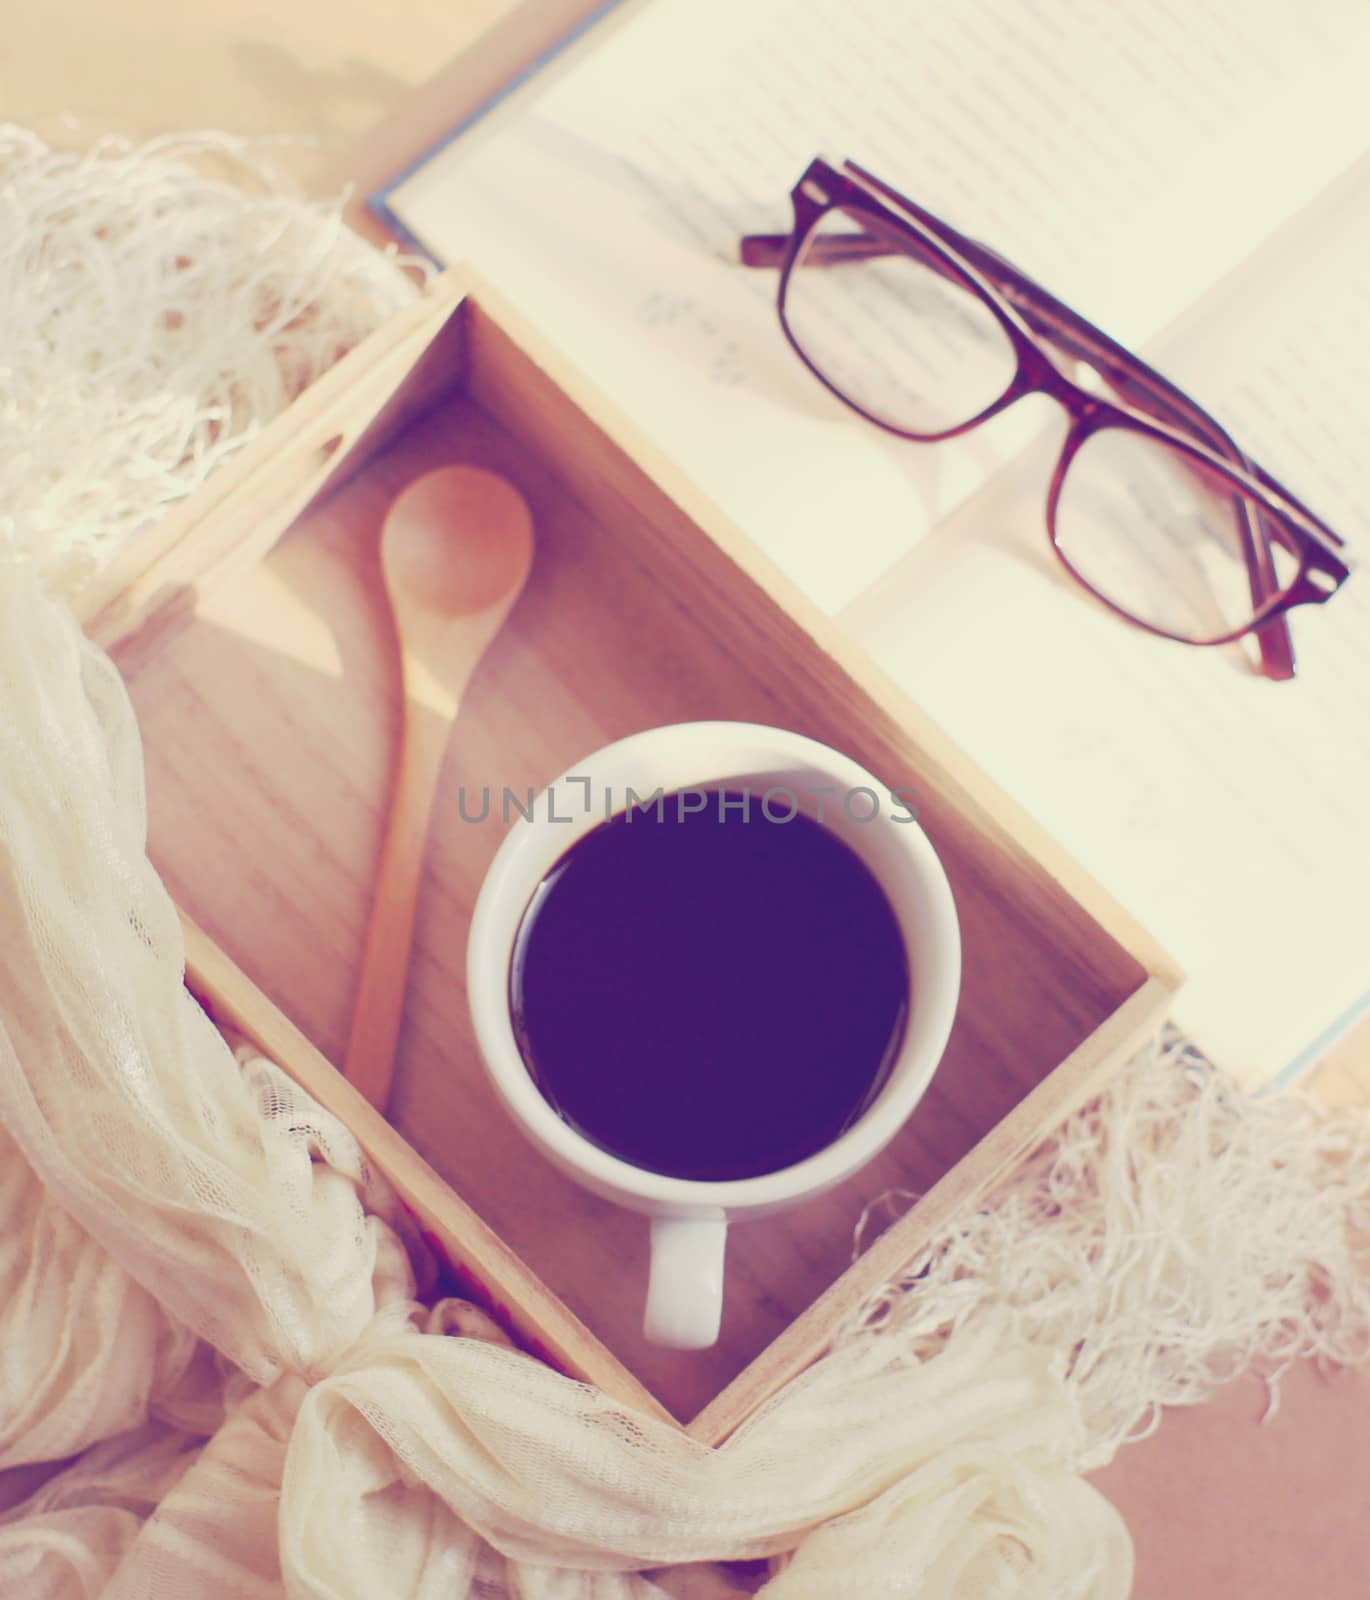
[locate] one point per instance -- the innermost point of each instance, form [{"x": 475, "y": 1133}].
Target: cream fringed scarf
[
  {"x": 214, "y": 1380},
  {"x": 157, "y": 308}
]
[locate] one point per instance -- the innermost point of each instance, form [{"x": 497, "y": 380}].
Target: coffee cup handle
[{"x": 685, "y": 1286}]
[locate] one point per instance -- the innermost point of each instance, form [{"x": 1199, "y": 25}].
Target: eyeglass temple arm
[
  {"x": 1132, "y": 376},
  {"x": 770, "y": 249}
]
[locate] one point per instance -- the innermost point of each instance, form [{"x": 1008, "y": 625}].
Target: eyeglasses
[{"x": 1152, "y": 507}]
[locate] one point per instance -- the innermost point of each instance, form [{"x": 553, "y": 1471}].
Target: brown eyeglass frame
[{"x": 1037, "y": 323}]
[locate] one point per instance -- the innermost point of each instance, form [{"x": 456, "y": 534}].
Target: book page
[
  {"x": 1231, "y": 815},
  {"x": 1125, "y": 154}
]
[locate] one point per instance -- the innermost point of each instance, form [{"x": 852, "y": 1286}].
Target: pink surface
[{"x": 1221, "y": 1505}]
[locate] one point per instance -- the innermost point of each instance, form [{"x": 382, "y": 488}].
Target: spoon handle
[{"x": 370, "y": 1059}]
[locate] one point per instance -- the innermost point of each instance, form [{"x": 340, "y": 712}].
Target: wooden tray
[{"x": 253, "y": 634}]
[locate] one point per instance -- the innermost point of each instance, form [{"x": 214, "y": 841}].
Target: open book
[{"x": 1193, "y": 179}]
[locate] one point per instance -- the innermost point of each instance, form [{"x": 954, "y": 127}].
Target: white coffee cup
[{"x": 690, "y": 1217}]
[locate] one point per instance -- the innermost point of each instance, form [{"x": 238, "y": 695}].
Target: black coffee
[{"x": 709, "y": 995}]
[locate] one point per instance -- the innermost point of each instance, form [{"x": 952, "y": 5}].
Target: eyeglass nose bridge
[{"x": 1042, "y": 372}]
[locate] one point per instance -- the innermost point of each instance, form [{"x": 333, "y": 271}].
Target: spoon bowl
[{"x": 456, "y": 542}]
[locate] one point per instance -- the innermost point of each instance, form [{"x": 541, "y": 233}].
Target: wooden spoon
[{"x": 456, "y": 549}]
